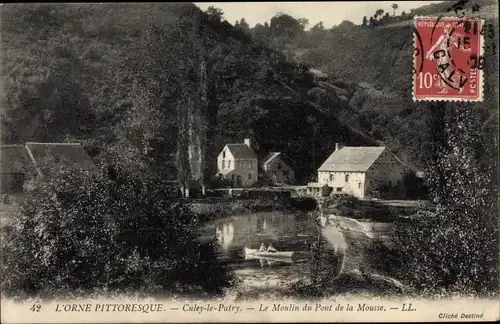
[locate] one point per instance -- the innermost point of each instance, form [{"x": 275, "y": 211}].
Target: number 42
[{"x": 36, "y": 308}]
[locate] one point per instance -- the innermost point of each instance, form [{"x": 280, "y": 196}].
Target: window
[
  {"x": 339, "y": 189},
  {"x": 229, "y": 164},
  {"x": 359, "y": 185},
  {"x": 223, "y": 154},
  {"x": 249, "y": 176},
  {"x": 232, "y": 177},
  {"x": 331, "y": 177},
  {"x": 251, "y": 164},
  {"x": 346, "y": 177},
  {"x": 223, "y": 164},
  {"x": 279, "y": 165}
]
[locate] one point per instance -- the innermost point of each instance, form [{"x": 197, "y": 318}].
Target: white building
[
  {"x": 362, "y": 171},
  {"x": 238, "y": 163}
]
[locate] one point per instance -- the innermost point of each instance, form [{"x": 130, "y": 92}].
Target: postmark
[{"x": 448, "y": 59}]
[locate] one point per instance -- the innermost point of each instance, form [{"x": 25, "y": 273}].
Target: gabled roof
[
  {"x": 15, "y": 159},
  {"x": 354, "y": 159},
  {"x": 274, "y": 155},
  {"x": 68, "y": 156},
  {"x": 241, "y": 151},
  {"x": 268, "y": 158}
]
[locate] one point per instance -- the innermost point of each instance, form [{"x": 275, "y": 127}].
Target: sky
[{"x": 330, "y": 13}]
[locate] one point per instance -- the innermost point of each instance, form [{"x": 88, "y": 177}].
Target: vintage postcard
[{"x": 249, "y": 162}]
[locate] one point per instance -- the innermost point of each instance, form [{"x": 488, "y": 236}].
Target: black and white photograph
[{"x": 249, "y": 161}]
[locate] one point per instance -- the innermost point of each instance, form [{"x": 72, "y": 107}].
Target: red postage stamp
[{"x": 448, "y": 59}]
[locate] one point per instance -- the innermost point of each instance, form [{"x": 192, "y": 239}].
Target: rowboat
[
  {"x": 268, "y": 261},
  {"x": 268, "y": 254}
]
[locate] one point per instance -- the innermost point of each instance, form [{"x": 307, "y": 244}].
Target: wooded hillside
[{"x": 118, "y": 75}]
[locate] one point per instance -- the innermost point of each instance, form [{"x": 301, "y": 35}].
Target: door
[{"x": 238, "y": 181}]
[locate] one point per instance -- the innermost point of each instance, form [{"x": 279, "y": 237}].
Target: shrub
[
  {"x": 414, "y": 188},
  {"x": 304, "y": 203},
  {"x": 442, "y": 250},
  {"x": 86, "y": 232}
]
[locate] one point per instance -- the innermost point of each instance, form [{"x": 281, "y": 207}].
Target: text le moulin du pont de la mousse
[{"x": 220, "y": 307}]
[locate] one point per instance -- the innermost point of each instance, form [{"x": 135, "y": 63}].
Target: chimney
[
  {"x": 338, "y": 146},
  {"x": 247, "y": 142}
]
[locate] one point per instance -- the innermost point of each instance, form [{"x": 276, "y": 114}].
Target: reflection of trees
[
  {"x": 284, "y": 231},
  {"x": 225, "y": 234}
]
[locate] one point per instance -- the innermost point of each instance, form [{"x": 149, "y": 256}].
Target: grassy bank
[
  {"x": 375, "y": 210},
  {"x": 212, "y": 209}
]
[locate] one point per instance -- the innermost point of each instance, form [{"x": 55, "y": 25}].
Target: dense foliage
[
  {"x": 142, "y": 68},
  {"x": 107, "y": 232},
  {"x": 369, "y": 83},
  {"x": 456, "y": 247}
]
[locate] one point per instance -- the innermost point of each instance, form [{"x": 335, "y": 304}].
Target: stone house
[
  {"x": 362, "y": 171},
  {"x": 278, "y": 167},
  {"x": 238, "y": 163}
]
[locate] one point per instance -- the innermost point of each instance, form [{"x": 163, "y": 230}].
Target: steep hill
[
  {"x": 112, "y": 73},
  {"x": 374, "y": 65}
]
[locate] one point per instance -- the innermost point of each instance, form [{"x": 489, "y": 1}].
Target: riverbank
[
  {"x": 211, "y": 209},
  {"x": 375, "y": 210}
]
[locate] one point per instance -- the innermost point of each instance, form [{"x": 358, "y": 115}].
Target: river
[{"x": 318, "y": 247}]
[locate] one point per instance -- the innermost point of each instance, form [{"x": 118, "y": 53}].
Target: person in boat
[
  {"x": 262, "y": 247},
  {"x": 271, "y": 248}
]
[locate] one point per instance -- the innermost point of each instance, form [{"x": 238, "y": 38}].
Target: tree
[
  {"x": 216, "y": 14},
  {"x": 372, "y": 22},
  {"x": 85, "y": 233},
  {"x": 386, "y": 17},
  {"x": 303, "y": 22},
  {"x": 287, "y": 26},
  {"x": 394, "y": 7},
  {"x": 455, "y": 247},
  {"x": 365, "y": 21},
  {"x": 318, "y": 27},
  {"x": 244, "y": 25},
  {"x": 314, "y": 125},
  {"x": 261, "y": 32},
  {"x": 378, "y": 13},
  {"x": 48, "y": 103}
]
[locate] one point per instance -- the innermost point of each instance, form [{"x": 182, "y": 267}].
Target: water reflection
[
  {"x": 318, "y": 245},
  {"x": 225, "y": 233}
]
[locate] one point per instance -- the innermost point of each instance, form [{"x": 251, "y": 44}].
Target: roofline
[
  {"x": 33, "y": 160},
  {"x": 254, "y": 157},
  {"x": 384, "y": 148},
  {"x": 274, "y": 155}
]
